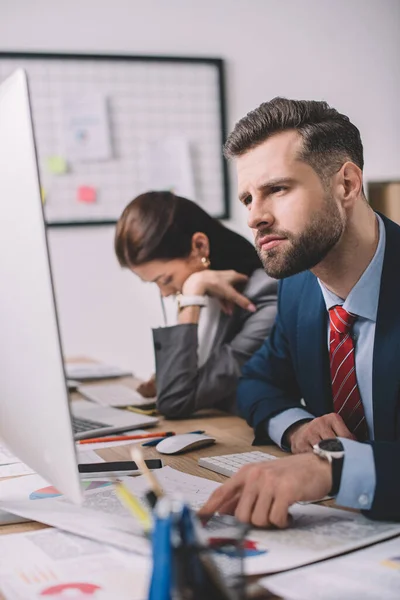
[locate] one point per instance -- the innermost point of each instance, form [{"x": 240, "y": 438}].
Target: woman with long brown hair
[{"x": 226, "y": 302}]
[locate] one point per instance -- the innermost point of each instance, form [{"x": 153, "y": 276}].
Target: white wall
[{"x": 344, "y": 51}]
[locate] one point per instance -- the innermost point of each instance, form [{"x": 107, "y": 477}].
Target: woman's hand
[
  {"x": 148, "y": 388},
  {"x": 221, "y": 285}
]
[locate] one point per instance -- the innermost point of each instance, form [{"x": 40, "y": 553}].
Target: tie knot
[{"x": 341, "y": 320}]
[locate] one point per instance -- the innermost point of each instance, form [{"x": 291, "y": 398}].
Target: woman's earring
[{"x": 205, "y": 262}]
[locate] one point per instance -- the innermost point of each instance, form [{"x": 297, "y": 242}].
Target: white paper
[
  {"x": 101, "y": 516},
  {"x": 33, "y": 564},
  {"x": 114, "y": 395},
  {"x": 194, "y": 490},
  {"x": 316, "y": 533},
  {"x": 366, "y": 574},
  {"x": 86, "y": 457},
  {"x": 169, "y": 167},
  {"x": 15, "y": 470},
  {"x": 6, "y": 456},
  {"x": 83, "y": 370},
  {"x": 86, "y": 128}
]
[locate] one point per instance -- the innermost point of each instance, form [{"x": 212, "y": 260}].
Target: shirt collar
[{"x": 364, "y": 297}]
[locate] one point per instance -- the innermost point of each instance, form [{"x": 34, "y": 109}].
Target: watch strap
[
  {"x": 188, "y": 300},
  {"x": 337, "y": 468}
]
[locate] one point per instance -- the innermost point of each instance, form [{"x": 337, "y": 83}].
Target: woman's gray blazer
[{"x": 183, "y": 387}]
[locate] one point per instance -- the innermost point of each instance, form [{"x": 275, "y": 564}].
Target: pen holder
[{"x": 201, "y": 559}]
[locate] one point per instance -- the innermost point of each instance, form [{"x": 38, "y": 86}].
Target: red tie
[{"x": 346, "y": 395}]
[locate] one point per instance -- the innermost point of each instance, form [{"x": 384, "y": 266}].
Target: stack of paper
[
  {"x": 368, "y": 574},
  {"x": 51, "y": 563},
  {"x": 10, "y": 465},
  {"x": 83, "y": 371},
  {"x": 316, "y": 533}
]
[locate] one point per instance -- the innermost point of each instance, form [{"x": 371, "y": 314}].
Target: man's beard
[{"x": 305, "y": 250}]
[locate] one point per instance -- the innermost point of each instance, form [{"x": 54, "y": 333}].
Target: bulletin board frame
[{"x": 216, "y": 63}]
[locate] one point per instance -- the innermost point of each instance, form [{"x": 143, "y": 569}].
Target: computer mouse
[{"x": 184, "y": 442}]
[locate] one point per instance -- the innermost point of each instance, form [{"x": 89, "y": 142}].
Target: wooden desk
[{"x": 232, "y": 435}]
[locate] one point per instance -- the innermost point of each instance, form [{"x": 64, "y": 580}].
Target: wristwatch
[
  {"x": 190, "y": 301},
  {"x": 332, "y": 450}
]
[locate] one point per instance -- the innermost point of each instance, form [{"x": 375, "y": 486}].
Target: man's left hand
[{"x": 261, "y": 494}]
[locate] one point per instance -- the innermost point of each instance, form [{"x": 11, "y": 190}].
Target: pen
[
  {"x": 155, "y": 442},
  {"x": 156, "y": 491},
  {"x": 122, "y": 438},
  {"x": 133, "y": 505}
]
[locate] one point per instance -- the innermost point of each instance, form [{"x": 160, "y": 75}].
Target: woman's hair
[{"x": 160, "y": 226}]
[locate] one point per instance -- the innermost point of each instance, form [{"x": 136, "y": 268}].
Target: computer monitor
[{"x": 35, "y": 419}]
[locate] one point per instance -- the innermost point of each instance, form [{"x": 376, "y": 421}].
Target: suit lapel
[
  {"x": 386, "y": 359},
  {"x": 312, "y": 347}
]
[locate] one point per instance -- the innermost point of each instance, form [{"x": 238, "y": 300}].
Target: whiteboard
[{"x": 175, "y": 102}]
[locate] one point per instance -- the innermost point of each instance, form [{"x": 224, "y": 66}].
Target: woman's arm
[{"x": 182, "y": 387}]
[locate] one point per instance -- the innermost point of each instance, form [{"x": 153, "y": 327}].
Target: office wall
[{"x": 344, "y": 51}]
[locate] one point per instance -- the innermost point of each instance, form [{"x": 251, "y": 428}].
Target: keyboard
[
  {"x": 79, "y": 425},
  {"x": 229, "y": 464},
  {"x": 114, "y": 394}
]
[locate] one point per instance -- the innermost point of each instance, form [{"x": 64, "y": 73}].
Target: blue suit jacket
[{"x": 293, "y": 363}]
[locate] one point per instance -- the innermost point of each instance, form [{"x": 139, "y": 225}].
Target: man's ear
[
  {"x": 200, "y": 245},
  {"x": 348, "y": 184}
]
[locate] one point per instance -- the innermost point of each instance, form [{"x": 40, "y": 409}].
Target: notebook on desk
[
  {"x": 115, "y": 394},
  {"x": 84, "y": 371}
]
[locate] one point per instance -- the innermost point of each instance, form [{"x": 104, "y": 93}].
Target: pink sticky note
[{"x": 86, "y": 194}]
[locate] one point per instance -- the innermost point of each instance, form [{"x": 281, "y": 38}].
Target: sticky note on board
[
  {"x": 86, "y": 194},
  {"x": 57, "y": 165}
]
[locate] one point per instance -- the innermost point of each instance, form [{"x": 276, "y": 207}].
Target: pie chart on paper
[{"x": 52, "y": 492}]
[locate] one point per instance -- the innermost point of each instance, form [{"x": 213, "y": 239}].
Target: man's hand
[
  {"x": 301, "y": 437},
  {"x": 220, "y": 284},
  {"x": 148, "y": 388},
  {"x": 261, "y": 494}
]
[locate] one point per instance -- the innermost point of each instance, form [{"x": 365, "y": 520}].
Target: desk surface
[{"x": 232, "y": 435}]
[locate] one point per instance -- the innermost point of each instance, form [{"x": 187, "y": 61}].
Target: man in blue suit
[{"x": 326, "y": 383}]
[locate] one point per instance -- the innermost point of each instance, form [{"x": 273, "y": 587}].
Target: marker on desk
[
  {"x": 123, "y": 438},
  {"x": 133, "y": 505},
  {"x": 155, "y": 442},
  {"x": 156, "y": 491}
]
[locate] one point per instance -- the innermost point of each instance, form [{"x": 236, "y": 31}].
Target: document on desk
[
  {"x": 368, "y": 574},
  {"x": 86, "y": 370},
  {"x": 15, "y": 469},
  {"x": 194, "y": 490},
  {"x": 100, "y": 517},
  {"x": 6, "y": 456},
  {"x": 316, "y": 533},
  {"x": 52, "y": 563},
  {"x": 88, "y": 456}
]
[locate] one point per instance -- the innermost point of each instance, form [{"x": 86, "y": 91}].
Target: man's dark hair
[{"x": 329, "y": 138}]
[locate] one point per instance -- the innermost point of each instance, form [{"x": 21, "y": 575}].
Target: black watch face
[{"x": 332, "y": 445}]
